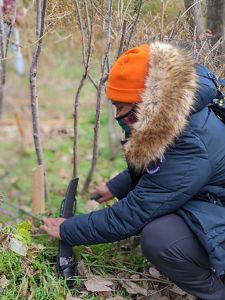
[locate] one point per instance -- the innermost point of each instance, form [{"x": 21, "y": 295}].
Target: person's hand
[
  {"x": 104, "y": 192},
  {"x": 51, "y": 226}
]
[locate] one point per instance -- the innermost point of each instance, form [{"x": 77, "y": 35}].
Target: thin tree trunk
[
  {"x": 98, "y": 103},
  {"x": 40, "y": 22},
  {"x": 216, "y": 19},
  {"x": 3, "y": 62},
  {"x": 4, "y": 45},
  {"x": 96, "y": 137},
  {"x": 86, "y": 64},
  {"x": 196, "y": 20}
]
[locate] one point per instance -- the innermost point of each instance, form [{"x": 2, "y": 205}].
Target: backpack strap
[
  {"x": 218, "y": 104},
  {"x": 216, "y": 79}
]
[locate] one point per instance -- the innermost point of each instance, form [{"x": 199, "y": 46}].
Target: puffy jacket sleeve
[
  {"x": 184, "y": 171},
  {"x": 121, "y": 184}
]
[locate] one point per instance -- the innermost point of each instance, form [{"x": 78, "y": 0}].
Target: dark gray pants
[{"x": 173, "y": 249}]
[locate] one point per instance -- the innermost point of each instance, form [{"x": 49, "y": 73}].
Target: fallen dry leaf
[
  {"x": 155, "y": 273},
  {"x": 72, "y": 298},
  {"x": 104, "y": 295},
  {"x": 177, "y": 290},
  {"x": 18, "y": 247},
  {"x": 82, "y": 270},
  {"x": 3, "y": 281},
  {"x": 98, "y": 284},
  {"x": 154, "y": 295},
  {"x": 134, "y": 288}
]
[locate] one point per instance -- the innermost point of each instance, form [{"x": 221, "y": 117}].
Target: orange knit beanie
[{"x": 127, "y": 77}]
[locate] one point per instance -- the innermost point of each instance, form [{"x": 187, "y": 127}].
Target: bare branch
[
  {"x": 92, "y": 81},
  {"x": 108, "y": 35},
  {"x": 75, "y": 125},
  {"x": 135, "y": 22},
  {"x": 96, "y": 138},
  {"x": 81, "y": 32},
  {"x": 121, "y": 45}
]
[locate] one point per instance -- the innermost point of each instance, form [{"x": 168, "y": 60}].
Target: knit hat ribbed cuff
[{"x": 124, "y": 95}]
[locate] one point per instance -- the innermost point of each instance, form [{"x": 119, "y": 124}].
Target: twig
[
  {"x": 19, "y": 208},
  {"x": 173, "y": 31},
  {"x": 92, "y": 81},
  {"x": 120, "y": 50},
  {"x": 135, "y": 22},
  {"x": 117, "y": 268},
  {"x": 153, "y": 279},
  {"x": 81, "y": 31},
  {"x": 187, "y": 10}
]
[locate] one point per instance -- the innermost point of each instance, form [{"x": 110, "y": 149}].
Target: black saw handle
[{"x": 66, "y": 261}]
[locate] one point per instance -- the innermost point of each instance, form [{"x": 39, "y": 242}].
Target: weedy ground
[{"x": 34, "y": 276}]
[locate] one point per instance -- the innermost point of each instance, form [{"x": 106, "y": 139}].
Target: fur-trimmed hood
[{"x": 167, "y": 101}]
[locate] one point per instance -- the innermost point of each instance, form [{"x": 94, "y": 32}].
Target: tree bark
[
  {"x": 196, "y": 20},
  {"x": 216, "y": 19}
]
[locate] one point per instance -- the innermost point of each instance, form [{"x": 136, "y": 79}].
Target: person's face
[{"x": 122, "y": 108}]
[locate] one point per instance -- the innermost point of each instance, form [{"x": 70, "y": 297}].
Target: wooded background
[{"x": 55, "y": 119}]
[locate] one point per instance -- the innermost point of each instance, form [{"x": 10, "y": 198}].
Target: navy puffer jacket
[{"x": 177, "y": 148}]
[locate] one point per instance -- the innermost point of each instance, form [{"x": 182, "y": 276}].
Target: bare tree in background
[
  {"x": 87, "y": 11},
  {"x": 40, "y": 25},
  {"x": 4, "y": 45},
  {"x": 99, "y": 86},
  {"x": 196, "y": 20},
  {"x": 3, "y": 61}
]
